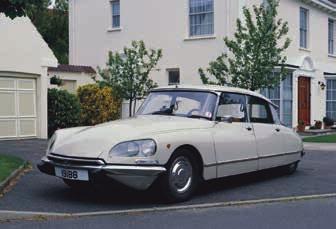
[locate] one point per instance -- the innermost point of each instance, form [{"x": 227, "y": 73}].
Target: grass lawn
[
  {"x": 322, "y": 139},
  {"x": 8, "y": 164}
]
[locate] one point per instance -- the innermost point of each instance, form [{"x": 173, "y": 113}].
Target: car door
[
  {"x": 267, "y": 132},
  {"x": 233, "y": 135}
]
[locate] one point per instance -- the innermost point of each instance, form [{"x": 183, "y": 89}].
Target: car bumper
[{"x": 137, "y": 177}]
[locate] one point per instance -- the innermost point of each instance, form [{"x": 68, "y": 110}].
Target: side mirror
[{"x": 226, "y": 118}]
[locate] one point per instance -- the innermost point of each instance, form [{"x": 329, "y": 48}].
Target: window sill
[
  {"x": 195, "y": 38},
  {"x": 304, "y": 49},
  {"x": 114, "y": 29},
  {"x": 332, "y": 56}
]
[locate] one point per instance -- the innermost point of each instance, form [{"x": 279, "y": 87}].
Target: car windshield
[{"x": 191, "y": 104}]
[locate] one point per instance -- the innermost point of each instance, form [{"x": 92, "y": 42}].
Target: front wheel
[{"x": 181, "y": 178}]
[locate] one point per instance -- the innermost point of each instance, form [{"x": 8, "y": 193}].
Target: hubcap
[{"x": 181, "y": 174}]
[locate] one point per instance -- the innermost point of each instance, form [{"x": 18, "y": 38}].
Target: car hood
[{"x": 91, "y": 142}]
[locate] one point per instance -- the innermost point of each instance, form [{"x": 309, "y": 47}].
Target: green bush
[
  {"x": 98, "y": 104},
  {"x": 63, "y": 110}
]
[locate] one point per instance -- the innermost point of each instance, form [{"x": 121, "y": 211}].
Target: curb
[
  {"x": 12, "y": 176},
  {"x": 28, "y": 215}
]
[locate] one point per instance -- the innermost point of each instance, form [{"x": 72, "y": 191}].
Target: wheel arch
[{"x": 194, "y": 152}]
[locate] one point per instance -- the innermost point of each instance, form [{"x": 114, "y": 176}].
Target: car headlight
[
  {"x": 51, "y": 143},
  {"x": 140, "y": 148}
]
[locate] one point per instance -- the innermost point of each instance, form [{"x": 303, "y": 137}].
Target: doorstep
[{"x": 309, "y": 133}]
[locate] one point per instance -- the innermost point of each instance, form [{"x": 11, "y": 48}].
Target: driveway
[{"x": 39, "y": 192}]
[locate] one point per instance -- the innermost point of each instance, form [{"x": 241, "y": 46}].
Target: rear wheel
[
  {"x": 182, "y": 177},
  {"x": 291, "y": 168}
]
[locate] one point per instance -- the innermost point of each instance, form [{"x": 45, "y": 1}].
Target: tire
[
  {"x": 77, "y": 185},
  {"x": 182, "y": 177},
  {"x": 291, "y": 168}
]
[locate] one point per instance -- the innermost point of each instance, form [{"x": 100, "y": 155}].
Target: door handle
[
  {"x": 277, "y": 129},
  {"x": 249, "y": 128}
]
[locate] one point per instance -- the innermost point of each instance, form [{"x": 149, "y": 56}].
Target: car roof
[{"x": 213, "y": 88}]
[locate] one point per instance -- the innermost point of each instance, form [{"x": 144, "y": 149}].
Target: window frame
[
  {"x": 304, "y": 30},
  {"x": 179, "y": 75},
  {"x": 268, "y": 110},
  {"x": 282, "y": 99},
  {"x": 117, "y": 15},
  {"x": 247, "y": 118},
  {"x": 330, "y": 100},
  {"x": 331, "y": 36},
  {"x": 212, "y": 33}
]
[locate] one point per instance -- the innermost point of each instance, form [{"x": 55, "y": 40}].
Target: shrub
[
  {"x": 328, "y": 121},
  {"x": 56, "y": 81},
  {"x": 98, "y": 104},
  {"x": 63, "y": 110}
]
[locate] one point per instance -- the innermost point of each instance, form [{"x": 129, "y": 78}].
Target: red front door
[{"x": 304, "y": 99}]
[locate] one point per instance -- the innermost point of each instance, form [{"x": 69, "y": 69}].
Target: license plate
[{"x": 72, "y": 174}]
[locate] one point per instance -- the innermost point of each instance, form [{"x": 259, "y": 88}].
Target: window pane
[
  {"x": 115, "y": 14},
  {"x": 303, "y": 27},
  {"x": 116, "y": 21},
  {"x": 201, "y": 17},
  {"x": 275, "y": 115},
  {"x": 282, "y": 96},
  {"x": 115, "y": 7},
  {"x": 331, "y": 99},
  {"x": 331, "y": 32},
  {"x": 173, "y": 77},
  {"x": 233, "y": 105},
  {"x": 259, "y": 110}
]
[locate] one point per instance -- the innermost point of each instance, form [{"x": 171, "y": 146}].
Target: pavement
[
  {"x": 310, "y": 214},
  {"x": 37, "y": 192}
]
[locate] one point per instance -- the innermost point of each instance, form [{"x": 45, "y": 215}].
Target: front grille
[{"x": 63, "y": 160}]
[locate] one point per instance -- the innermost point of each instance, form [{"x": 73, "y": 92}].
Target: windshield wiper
[{"x": 199, "y": 116}]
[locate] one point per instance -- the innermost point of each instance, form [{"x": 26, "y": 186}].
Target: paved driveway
[{"x": 39, "y": 192}]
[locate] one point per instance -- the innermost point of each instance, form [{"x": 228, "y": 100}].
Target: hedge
[
  {"x": 98, "y": 105},
  {"x": 63, "y": 110}
]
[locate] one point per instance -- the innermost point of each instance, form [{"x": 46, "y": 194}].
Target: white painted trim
[
  {"x": 114, "y": 29},
  {"x": 330, "y": 76},
  {"x": 205, "y": 37},
  {"x": 49, "y": 62}
]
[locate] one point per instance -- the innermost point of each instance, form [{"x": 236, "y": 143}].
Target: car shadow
[{"x": 116, "y": 195}]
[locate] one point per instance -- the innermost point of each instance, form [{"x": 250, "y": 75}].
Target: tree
[
  {"x": 256, "y": 50},
  {"x": 51, "y": 21},
  {"x": 128, "y": 73},
  {"x": 18, "y": 8},
  {"x": 53, "y": 24}
]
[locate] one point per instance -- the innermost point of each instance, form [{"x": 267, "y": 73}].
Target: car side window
[
  {"x": 259, "y": 110},
  {"x": 232, "y": 105},
  {"x": 275, "y": 114}
]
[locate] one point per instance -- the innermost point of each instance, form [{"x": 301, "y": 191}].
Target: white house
[
  {"x": 190, "y": 33},
  {"x": 24, "y": 61},
  {"x": 72, "y": 76}
]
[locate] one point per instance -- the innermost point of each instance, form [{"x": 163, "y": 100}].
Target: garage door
[{"x": 17, "y": 107}]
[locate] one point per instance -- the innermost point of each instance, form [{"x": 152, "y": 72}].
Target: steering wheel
[{"x": 193, "y": 110}]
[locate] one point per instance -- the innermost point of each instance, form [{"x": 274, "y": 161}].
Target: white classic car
[{"x": 180, "y": 136}]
